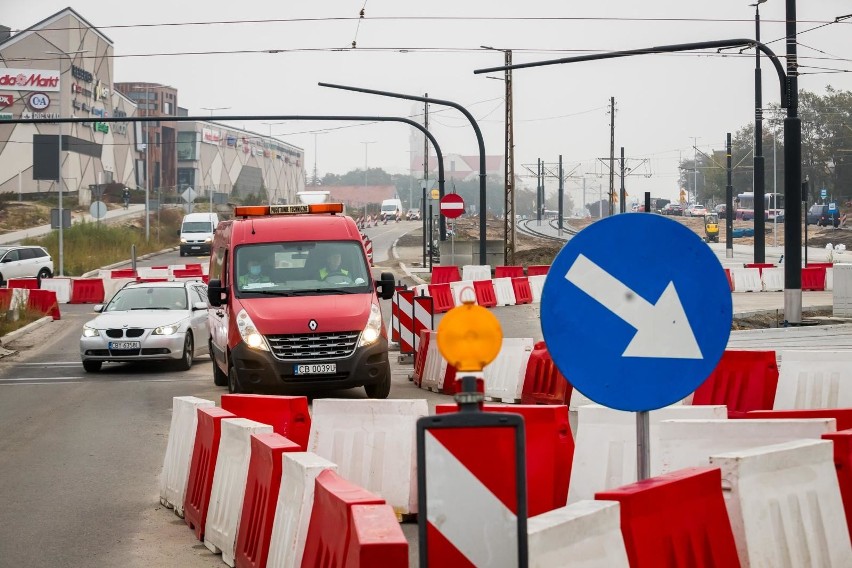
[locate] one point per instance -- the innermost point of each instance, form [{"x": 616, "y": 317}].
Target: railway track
[{"x": 529, "y": 227}]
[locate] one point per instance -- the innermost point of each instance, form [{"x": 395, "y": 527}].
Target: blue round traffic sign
[{"x": 636, "y": 311}]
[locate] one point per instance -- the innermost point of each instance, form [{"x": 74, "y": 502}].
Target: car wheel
[
  {"x": 381, "y": 389},
  {"x": 234, "y": 386},
  {"x": 92, "y": 366},
  {"x": 185, "y": 362},
  {"x": 44, "y": 273}
]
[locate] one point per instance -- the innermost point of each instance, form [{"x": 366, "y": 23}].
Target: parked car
[
  {"x": 697, "y": 210},
  {"x": 148, "y": 321},
  {"x": 413, "y": 215},
  {"x": 25, "y": 262},
  {"x": 721, "y": 210},
  {"x": 673, "y": 209},
  {"x": 820, "y": 215}
]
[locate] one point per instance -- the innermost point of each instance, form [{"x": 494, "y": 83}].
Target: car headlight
[
  {"x": 249, "y": 332},
  {"x": 373, "y": 330},
  {"x": 208, "y": 240},
  {"x": 166, "y": 329},
  {"x": 90, "y": 331}
]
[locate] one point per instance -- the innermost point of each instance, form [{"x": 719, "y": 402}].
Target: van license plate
[
  {"x": 125, "y": 344},
  {"x": 317, "y": 369}
]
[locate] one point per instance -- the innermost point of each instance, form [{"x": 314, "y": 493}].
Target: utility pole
[
  {"x": 611, "y": 151},
  {"x": 509, "y": 208},
  {"x": 759, "y": 179},
  {"x": 729, "y": 204},
  {"x": 792, "y": 178},
  {"x": 425, "y": 209},
  {"x": 622, "y": 194},
  {"x": 694, "y": 173},
  {"x": 538, "y": 192},
  {"x": 561, "y": 191}
]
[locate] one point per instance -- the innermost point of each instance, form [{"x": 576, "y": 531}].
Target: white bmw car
[{"x": 148, "y": 321}]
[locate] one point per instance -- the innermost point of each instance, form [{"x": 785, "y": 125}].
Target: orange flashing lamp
[{"x": 300, "y": 209}]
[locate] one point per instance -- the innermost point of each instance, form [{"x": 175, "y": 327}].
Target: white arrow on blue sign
[{"x": 636, "y": 311}]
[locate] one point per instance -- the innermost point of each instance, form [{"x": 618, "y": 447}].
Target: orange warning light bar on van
[{"x": 300, "y": 209}]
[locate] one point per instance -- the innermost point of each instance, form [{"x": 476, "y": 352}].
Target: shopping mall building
[{"x": 63, "y": 66}]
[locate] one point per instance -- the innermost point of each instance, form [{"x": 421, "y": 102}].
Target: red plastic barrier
[
  {"x": 550, "y": 452},
  {"x": 843, "y": 462},
  {"x": 25, "y": 283},
  {"x": 445, "y": 274},
  {"x": 730, "y": 280},
  {"x": 5, "y": 299},
  {"x": 123, "y": 273},
  {"x": 160, "y": 267},
  {"x": 813, "y": 278},
  {"x": 538, "y": 270},
  {"x": 485, "y": 296},
  {"x": 760, "y": 266},
  {"x": 140, "y": 279},
  {"x": 288, "y": 415},
  {"x": 674, "y": 520},
  {"x": 261, "y": 498},
  {"x": 843, "y": 416},
  {"x": 178, "y": 273},
  {"x": 87, "y": 291},
  {"x": 204, "y": 455},
  {"x": 420, "y": 357},
  {"x": 442, "y": 296},
  {"x": 820, "y": 265},
  {"x": 330, "y": 528},
  {"x": 508, "y": 272},
  {"x": 44, "y": 301},
  {"x": 205, "y": 278},
  {"x": 742, "y": 381},
  {"x": 193, "y": 266},
  {"x": 543, "y": 383},
  {"x": 377, "y": 539},
  {"x": 523, "y": 294}
]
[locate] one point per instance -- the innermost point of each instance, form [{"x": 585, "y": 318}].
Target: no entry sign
[{"x": 452, "y": 205}]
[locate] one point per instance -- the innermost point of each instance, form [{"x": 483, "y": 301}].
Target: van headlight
[
  {"x": 373, "y": 330},
  {"x": 249, "y": 332},
  {"x": 90, "y": 331},
  {"x": 182, "y": 240},
  {"x": 208, "y": 240}
]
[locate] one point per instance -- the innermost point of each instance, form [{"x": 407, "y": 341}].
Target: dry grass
[{"x": 12, "y": 320}]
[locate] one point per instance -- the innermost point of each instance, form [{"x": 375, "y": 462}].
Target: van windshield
[
  {"x": 197, "y": 227},
  {"x": 302, "y": 268},
  {"x": 389, "y": 207}
]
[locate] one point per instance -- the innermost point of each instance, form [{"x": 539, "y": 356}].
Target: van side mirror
[
  {"x": 216, "y": 293},
  {"x": 387, "y": 286}
]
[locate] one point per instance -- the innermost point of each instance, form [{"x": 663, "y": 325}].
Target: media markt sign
[{"x": 29, "y": 79}]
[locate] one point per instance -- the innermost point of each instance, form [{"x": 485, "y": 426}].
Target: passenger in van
[
  {"x": 332, "y": 267},
  {"x": 255, "y": 275}
]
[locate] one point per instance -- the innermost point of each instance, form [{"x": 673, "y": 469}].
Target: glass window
[
  {"x": 139, "y": 298},
  {"x": 26, "y": 254},
  {"x": 197, "y": 227},
  {"x": 12, "y": 255},
  {"x": 186, "y": 145},
  {"x": 302, "y": 269}
]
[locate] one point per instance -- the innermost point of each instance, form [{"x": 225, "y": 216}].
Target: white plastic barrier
[
  {"x": 463, "y": 290},
  {"x": 537, "y": 286},
  {"x": 476, "y": 272},
  {"x": 20, "y": 298},
  {"x": 829, "y": 279},
  {"x": 113, "y": 285},
  {"x": 784, "y": 504},
  {"x": 690, "y": 443},
  {"x": 62, "y": 287},
  {"x": 372, "y": 443},
  {"x": 504, "y": 376},
  {"x": 229, "y": 485},
  {"x": 294, "y": 506},
  {"x": 175, "y": 473},
  {"x": 435, "y": 366},
  {"x": 586, "y": 534},
  {"x": 746, "y": 280},
  {"x": 814, "y": 379},
  {"x": 504, "y": 292},
  {"x": 605, "y": 445},
  {"x": 773, "y": 279},
  {"x": 842, "y": 292},
  {"x": 149, "y": 272}
]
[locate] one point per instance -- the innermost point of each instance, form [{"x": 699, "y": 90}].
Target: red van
[{"x": 295, "y": 308}]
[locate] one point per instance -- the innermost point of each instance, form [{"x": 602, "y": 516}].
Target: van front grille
[{"x": 313, "y": 345}]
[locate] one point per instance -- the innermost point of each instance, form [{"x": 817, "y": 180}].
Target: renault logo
[{"x": 313, "y": 325}]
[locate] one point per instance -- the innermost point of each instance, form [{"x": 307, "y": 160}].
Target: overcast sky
[{"x": 662, "y": 101}]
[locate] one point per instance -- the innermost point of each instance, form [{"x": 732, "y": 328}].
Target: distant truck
[{"x": 391, "y": 210}]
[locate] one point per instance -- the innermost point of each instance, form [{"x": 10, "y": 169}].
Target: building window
[
  {"x": 168, "y": 108},
  {"x": 186, "y": 146}
]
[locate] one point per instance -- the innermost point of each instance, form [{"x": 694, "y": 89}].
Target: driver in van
[
  {"x": 332, "y": 267},
  {"x": 255, "y": 274}
]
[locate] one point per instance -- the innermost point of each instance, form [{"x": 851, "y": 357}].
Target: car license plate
[
  {"x": 317, "y": 369},
  {"x": 125, "y": 344}
]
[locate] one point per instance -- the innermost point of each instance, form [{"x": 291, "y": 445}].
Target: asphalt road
[{"x": 81, "y": 453}]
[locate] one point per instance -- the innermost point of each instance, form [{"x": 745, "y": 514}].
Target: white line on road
[{"x": 76, "y": 380}]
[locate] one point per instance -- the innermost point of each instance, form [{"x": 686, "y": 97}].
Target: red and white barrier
[
  {"x": 814, "y": 379},
  {"x": 405, "y": 301},
  {"x": 587, "y": 534},
  {"x": 62, "y": 287},
  {"x": 504, "y": 377},
  {"x": 293, "y": 510},
  {"x": 175, "y": 472},
  {"x": 288, "y": 415},
  {"x": 424, "y": 318},
  {"x": 229, "y": 485},
  {"x": 785, "y": 506},
  {"x": 537, "y": 286},
  {"x": 504, "y": 291},
  {"x": 372, "y": 442},
  {"x": 476, "y": 272},
  {"x": 463, "y": 290},
  {"x": 746, "y": 280},
  {"x": 773, "y": 279},
  {"x": 368, "y": 246}
]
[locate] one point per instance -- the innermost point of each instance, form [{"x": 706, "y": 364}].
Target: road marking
[
  {"x": 77, "y": 380},
  {"x": 662, "y": 329}
]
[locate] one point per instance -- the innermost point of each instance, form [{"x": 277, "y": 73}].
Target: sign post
[
  {"x": 452, "y": 206},
  {"x": 636, "y": 332}
]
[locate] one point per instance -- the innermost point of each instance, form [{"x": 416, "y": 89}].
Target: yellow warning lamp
[{"x": 469, "y": 337}]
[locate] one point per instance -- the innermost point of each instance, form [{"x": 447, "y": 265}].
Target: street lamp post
[
  {"x": 211, "y": 109},
  {"x": 759, "y": 174},
  {"x": 366, "y": 146},
  {"x": 67, "y": 54}
]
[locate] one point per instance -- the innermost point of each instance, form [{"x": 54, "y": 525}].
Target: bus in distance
[{"x": 773, "y": 206}]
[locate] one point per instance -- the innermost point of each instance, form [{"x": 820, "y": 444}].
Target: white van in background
[
  {"x": 391, "y": 210},
  {"x": 196, "y": 233}
]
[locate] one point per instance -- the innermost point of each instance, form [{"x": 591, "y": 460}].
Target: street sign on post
[
  {"x": 452, "y": 205},
  {"x": 823, "y": 193},
  {"x": 189, "y": 194},
  {"x": 98, "y": 209}
]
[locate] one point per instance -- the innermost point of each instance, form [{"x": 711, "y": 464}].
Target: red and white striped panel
[
  {"x": 471, "y": 504},
  {"x": 424, "y": 317},
  {"x": 406, "y": 321}
]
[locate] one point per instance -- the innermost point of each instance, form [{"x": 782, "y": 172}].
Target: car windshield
[
  {"x": 148, "y": 298},
  {"x": 197, "y": 227},
  {"x": 301, "y": 268}
]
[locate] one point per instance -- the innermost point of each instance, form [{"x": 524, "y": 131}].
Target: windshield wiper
[
  {"x": 268, "y": 292},
  {"x": 323, "y": 291},
  {"x": 152, "y": 308}
]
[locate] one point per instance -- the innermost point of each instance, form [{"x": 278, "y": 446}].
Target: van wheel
[{"x": 381, "y": 389}]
